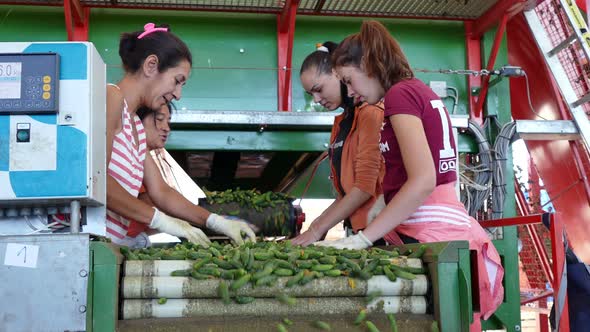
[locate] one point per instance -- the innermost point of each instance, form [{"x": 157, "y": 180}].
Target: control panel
[{"x": 29, "y": 83}]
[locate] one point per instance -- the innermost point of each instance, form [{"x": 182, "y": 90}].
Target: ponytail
[
  {"x": 375, "y": 51},
  {"x": 319, "y": 59}
]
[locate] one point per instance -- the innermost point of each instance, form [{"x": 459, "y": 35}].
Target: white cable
[
  {"x": 29, "y": 223},
  {"x": 528, "y": 94},
  {"x": 477, "y": 168},
  {"x": 455, "y": 97},
  {"x": 47, "y": 228}
]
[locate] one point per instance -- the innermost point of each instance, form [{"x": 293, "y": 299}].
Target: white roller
[
  {"x": 383, "y": 286},
  {"x": 155, "y": 268},
  {"x": 398, "y": 304},
  {"x": 186, "y": 287},
  {"x": 175, "y": 308}
]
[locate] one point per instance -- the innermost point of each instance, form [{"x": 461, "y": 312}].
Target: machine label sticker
[{"x": 18, "y": 254}]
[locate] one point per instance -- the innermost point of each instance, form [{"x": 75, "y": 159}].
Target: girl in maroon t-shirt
[{"x": 420, "y": 157}]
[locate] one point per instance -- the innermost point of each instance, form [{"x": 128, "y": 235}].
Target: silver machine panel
[
  {"x": 52, "y": 181},
  {"x": 47, "y": 277}
]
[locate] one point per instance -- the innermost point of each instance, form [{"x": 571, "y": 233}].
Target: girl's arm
[{"x": 421, "y": 181}]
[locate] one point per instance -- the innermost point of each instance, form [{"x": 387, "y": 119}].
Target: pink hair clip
[{"x": 149, "y": 28}]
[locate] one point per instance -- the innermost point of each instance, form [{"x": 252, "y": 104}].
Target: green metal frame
[
  {"x": 448, "y": 264},
  {"x": 103, "y": 287},
  {"x": 449, "y": 267},
  {"x": 508, "y": 314},
  {"x": 301, "y": 141},
  {"x": 498, "y": 104}
]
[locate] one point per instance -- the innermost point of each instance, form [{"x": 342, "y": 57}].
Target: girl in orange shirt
[{"x": 355, "y": 160}]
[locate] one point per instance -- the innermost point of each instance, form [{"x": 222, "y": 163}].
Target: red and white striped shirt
[{"x": 126, "y": 167}]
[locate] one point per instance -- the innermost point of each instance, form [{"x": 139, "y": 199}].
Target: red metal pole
[
  {"x": 491, "y": 62},
  {"x": 473, "y": 49},
  {"x": 530, "y": 227},
  {"x": 76, "y": 16},
  {"x": 285, "y": 35},
  {"x": 541, "y": 252},
  {"x": 543, "y": 323},
  {"x": 524, "y": 209},
  {"x": 542, "y": 296}
]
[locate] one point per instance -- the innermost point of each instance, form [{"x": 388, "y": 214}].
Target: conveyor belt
[
  {"x": 189, "y": 288},
  {"x": 348, "y": 306},
  {"x": 145, "y": 282},
  {"x": 164, "y": 268},
  {"x": 156, "y": 299},
  {"x": 405, "y": 323}
]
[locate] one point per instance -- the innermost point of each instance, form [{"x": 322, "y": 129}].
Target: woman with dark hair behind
[
  {"x": 356, "y": 166},
  {"x": 157, "y": 64},
  {"x": 157, "y": 130},
  {"x": 420, "y": 155}
]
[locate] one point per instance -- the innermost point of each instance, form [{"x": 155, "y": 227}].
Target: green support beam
[
  {"x": 103, "y": 287},
  {"x": 203, "y": 140},
  {"x": 450, "y": 272},
  {"x": 498, "y": 104},
  {"x": 233, "y": 140}
]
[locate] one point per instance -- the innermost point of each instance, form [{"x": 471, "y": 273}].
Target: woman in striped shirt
[{"x": 157, "y": 64}]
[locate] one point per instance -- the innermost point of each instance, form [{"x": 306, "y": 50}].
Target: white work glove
[
  {"x": 170, "y": 225},
  {"x": 358, "y": 241},
  {"x": 376, "y": 209},
  {"x": 232, "y": 228}
]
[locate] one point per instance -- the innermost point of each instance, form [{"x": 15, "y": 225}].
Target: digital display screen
[{"x": 10, "y": 80}]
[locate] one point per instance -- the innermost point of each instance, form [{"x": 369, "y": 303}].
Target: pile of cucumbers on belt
[
  {"x": 270, "y": 213},
  {"x": 247, "y": 198},
  {"x": 263, "y": 263}
]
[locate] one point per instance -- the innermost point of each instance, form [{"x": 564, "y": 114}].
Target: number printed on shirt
[{"x": 447, "y": 151}]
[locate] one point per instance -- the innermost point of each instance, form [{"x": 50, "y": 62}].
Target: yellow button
[
  {"x": 46, "y": 95},
  {"x": 46, "y": 79},
  {"x": 46, "y": 87}
]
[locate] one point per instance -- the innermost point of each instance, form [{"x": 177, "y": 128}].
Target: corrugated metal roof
[{"x": 450, "y": 9}]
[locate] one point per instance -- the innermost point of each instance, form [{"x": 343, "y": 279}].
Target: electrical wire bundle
[
  {"x": 477, "y": 191},
  {"x": 501, "y": 146},
  {"x": 42, "y": 226}
]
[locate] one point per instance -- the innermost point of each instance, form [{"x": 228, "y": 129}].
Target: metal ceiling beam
[
  {"x": 493, "y": 15},
  {"x": 270, "y": 120},
  {"x": 320, "y": 5},
  {"x": 256, "y": 119},
  {"x": 178, "y": 5}
]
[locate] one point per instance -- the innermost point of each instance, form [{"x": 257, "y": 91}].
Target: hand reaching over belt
[
  {"x": 358, "y": 241},
  {"x": 237, "y": 230},
  {"x": 173, "y": 226}
]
